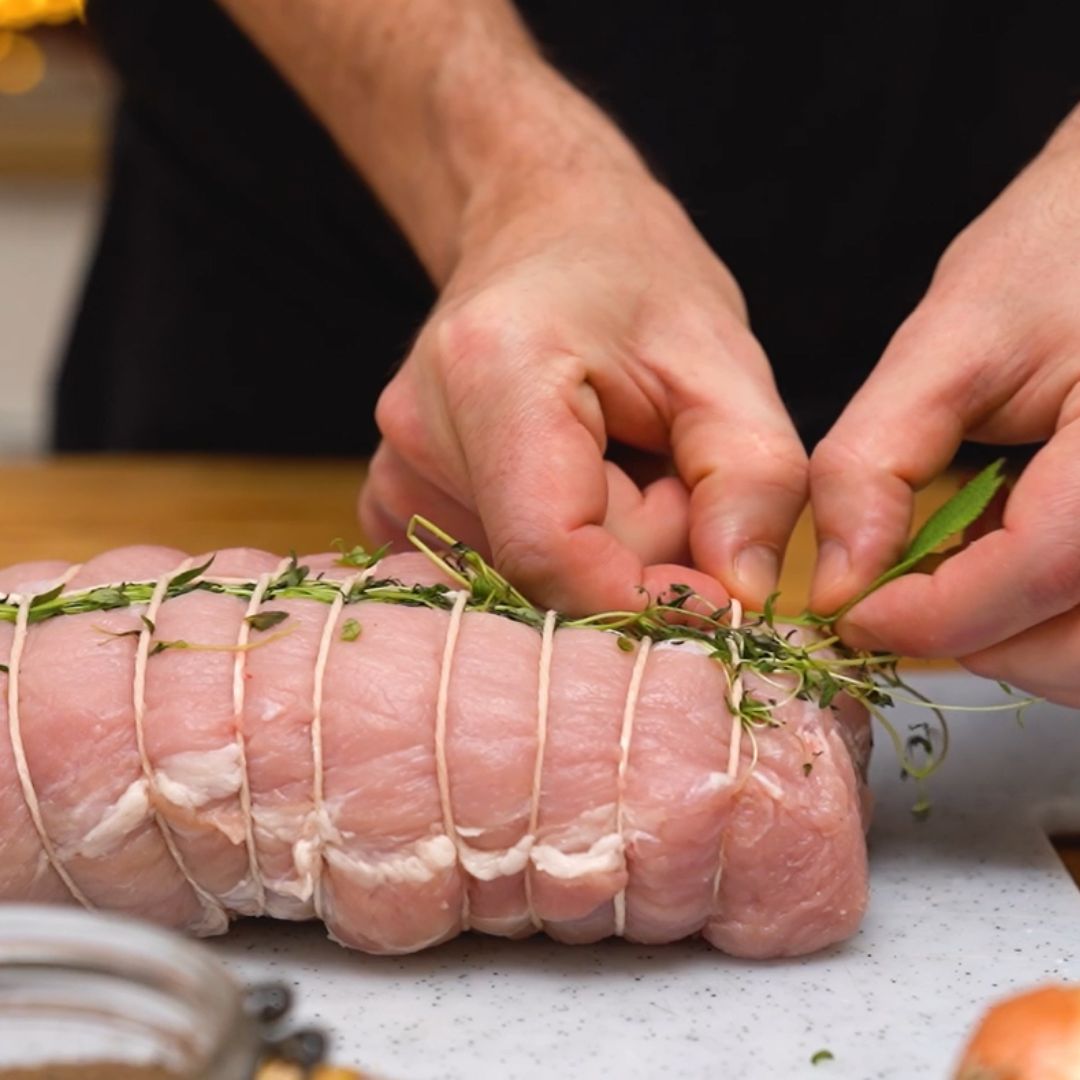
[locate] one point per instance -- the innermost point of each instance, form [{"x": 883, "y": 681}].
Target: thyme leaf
[
  {"x": 358, "y": 556},
  {"x": 188, "y": 576},
  {"x": 45, "y": 598},
  {"x": 292, "y": 577},
  {"x": 822, "y": 1055},
  {"x": 266, "y": 620},
  {"x": 350, "y": 630}
]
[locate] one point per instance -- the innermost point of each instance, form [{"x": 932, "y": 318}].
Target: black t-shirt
[{"x": 248, "y": 294}]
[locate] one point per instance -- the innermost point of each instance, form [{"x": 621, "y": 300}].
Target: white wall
[{"x": 46, "y": 228}]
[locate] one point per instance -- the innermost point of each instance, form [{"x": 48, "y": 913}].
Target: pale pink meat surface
[
  {"x": 795, "y": 872},
  {"x": 678, "y": 794},
  {"x": 579, "y": 865},
  {"x": 25, "y": 870},
  {"x": 78, "y": 730},
  {"x": 391, "y": 881},
  {"x": 323, "y": 789},
  {"x": 278, "y": 711},
  {"x": 491, "y": 743},
  {"x": 190, "y": 730}
]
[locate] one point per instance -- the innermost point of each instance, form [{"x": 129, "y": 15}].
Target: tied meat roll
[{"x": 190, "y": 740}]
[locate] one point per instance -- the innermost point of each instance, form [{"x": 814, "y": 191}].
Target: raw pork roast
[{"x": 404, "y": 773}]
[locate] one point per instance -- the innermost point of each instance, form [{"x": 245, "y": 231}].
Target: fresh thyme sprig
[{"x": 796, "y": 658}]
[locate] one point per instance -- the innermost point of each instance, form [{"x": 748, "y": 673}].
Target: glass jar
[{"x": 93, "y": 995}]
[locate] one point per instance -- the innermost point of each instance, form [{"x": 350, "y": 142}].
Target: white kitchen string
[
  {"x": 22, "y": 768},
  {"x": 239, "y": 688},
  {"x": 216, "y": 920},
  {"x": 317, "y": 778},
  {"x": 735, "y": 682},
  {"x": 633, "y": 691},
  {"x": 441, "y": 771},
  {"x": 543, "y": 702}
]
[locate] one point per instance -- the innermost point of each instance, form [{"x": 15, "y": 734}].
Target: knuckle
[
  {"x": 1057, "y": 584},
  {"x": 833, "y": 458},
  {"x": 780, "y": 461},
  {"x": 395, "y": 413},
  {"x": 525, "y": 560},
  {"x": 479, "y": 330}
]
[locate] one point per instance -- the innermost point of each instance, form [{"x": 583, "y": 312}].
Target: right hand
[{"x": 581, "y": 314}]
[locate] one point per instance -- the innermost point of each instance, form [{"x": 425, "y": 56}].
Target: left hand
[{"x": 991, "y": 354}]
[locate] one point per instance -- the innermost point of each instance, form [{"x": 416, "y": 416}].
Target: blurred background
[{"x": 54, "y": 105}]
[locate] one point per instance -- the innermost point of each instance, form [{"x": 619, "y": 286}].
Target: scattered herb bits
[
  {"x": 822, "y": 1056},
  {"x": 350, "y": 630}
]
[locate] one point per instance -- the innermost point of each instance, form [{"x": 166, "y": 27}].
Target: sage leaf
[{"x": 958, "y": 514}]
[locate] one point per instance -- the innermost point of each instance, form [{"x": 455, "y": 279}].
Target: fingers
[
  {"x": 899, "y": 431},
  {"x": 560, "y": 520},
  {"x": 738, "y": 453},
  {"x": 394, "y": 491},
  {"x": 651, "y": 521},
  {"x": 998, "y": 587},
  {"x": 1040, "y": 661}
]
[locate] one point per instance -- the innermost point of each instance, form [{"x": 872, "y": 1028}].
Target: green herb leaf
[
  {"x": 46, "y": 597},
  {"x": 358, "y": 556},
  {"x": 266, "y": 620},
  {"x": 113, "y": 634},
  {"x": 822, "y": 1055},
  {"x": 768, "y": 610},
  {"x": 161, "y": 646},
  {"x": 292, "y": 577},
  {"x": 960, "y": 512},
  {"x": 107, "y": 598},
  {"x": 625, "y": 643},
  {"x": 188, "y": 576},
  {"x": 350, "y": 630}
]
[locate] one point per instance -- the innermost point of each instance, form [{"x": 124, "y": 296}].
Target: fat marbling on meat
[{"x": 405, "y": 773}]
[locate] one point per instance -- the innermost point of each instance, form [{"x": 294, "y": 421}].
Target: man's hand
[
  {"x": 579, "y": 308},
  {"x": 591, "y": 312},
  {"x": 991, "y": 354}
]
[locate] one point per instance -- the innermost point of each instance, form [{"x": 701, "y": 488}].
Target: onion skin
[{"x": 1034, "y": 1035}]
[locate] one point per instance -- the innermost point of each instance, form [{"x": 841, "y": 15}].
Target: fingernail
[
  {"x": 833, "y": 565},
  {"x": 757, "y": 567}
]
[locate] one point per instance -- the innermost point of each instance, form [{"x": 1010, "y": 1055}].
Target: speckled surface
[{"x": 966, "y": 906}]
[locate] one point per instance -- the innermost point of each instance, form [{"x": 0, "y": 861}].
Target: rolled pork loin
[{"x": 406, "y": 773}]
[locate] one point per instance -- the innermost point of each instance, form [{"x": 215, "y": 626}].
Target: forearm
[{"x": 446, "y": 109}]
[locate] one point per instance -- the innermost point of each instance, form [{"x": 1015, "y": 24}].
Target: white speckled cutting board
[{"x": 965, "y": 907}]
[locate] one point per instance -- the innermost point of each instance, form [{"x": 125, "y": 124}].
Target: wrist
[{"x": 522, "y": 144}]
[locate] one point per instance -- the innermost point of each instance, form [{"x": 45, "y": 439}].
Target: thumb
[{"x": 900, "y": 430}]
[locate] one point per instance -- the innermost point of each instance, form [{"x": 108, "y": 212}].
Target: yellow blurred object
[
  {"x": 22, "y": 63},
  {"x": 279, "y": 1070},
  {"x": 1034, "y": 1035},
  {"x": 22, "y": 14}
]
